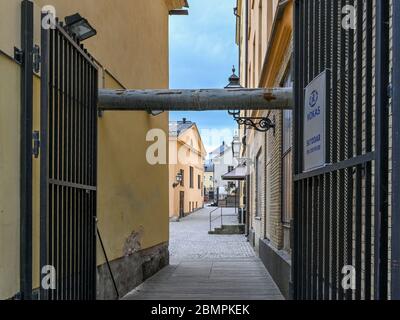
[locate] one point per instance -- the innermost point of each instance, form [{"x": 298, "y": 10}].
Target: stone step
[{"x": 229, "y": 230}]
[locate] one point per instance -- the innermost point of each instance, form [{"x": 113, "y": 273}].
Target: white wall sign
[{"x": 314, "y": 123}]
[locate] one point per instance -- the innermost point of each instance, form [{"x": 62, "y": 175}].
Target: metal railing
[{"x": 220, "y": 217}]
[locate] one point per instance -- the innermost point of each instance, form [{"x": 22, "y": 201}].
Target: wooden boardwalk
[
  {"x": 208, "y": 267},
  {"x": 227, "y": 279}
]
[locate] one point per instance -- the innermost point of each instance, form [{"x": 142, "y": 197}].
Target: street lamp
[
  {"x": 262, "y": 124},
  {"x": 179, "y": 179},
  {"x": 79, "y": 26},
  {"x": 236, "y": 145},
  {"x": 234, "y": 81}
]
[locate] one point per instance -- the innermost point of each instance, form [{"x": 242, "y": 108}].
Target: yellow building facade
[
  {"x": 186, "y": 169},
  {"x": 264, "y": 36},
  {"x": 131, "y": 50}
]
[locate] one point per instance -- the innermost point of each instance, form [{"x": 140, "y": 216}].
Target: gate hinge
[
  {"x": 19, "y": 57},
  {"x": 36, "y": 144},
  {"x": 36, "y": 59}
]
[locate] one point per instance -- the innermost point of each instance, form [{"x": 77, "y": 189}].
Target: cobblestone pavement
[
  {"x": 208, "y": 267},
  {"x": 189, "y": 238}
]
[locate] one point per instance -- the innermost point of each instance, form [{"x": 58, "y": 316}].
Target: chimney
[{"x": 184, "y": 120}]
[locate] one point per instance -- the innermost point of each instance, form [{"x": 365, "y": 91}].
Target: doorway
[{"x": 182, "y": 204}]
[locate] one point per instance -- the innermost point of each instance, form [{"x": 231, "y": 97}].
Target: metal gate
[
  {"x": 68, "y": 166},
  {"x": 342, "y": 218}
]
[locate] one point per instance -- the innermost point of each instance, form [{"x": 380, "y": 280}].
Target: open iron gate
[
  {"x": 342, "y": 216},
  {"x": 68, "y": 165}
]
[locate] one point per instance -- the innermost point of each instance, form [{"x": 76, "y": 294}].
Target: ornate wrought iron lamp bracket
[{"x": 261, "y": 124}]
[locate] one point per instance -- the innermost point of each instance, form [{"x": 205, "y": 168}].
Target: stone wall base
[
  {"x": 129, "y": 272},
  {"x": 278, "y": 265}
]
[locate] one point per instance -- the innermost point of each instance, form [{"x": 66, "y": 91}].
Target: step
[{"x": 229, "y": 230}]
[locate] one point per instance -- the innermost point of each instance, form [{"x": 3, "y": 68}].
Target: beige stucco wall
[
  {"x": 132, "y": 44},
  {"x": 9, "y": 177},
  {"x": 132, "y": 194},
  {"x": 129, "y": 34}
]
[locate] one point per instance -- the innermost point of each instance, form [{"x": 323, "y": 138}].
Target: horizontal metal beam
[
  {"x": 196, "y": 100},
  {"x": 346, "y": 164}
]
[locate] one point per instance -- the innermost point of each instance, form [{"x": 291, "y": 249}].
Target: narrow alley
[
  {"x": 212, "y": 267},
  {"x": 199, "y": 150}
]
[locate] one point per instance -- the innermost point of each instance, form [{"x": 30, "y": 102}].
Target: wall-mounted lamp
[
  {"x": 236, "y": 145},
  {"x": 79, "y": 26},
  {"x": 179, "y": 179},
  {"x": 262, "y": 124}
]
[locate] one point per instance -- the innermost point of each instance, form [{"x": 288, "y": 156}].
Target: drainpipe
[{"x": 396, "y": 155}]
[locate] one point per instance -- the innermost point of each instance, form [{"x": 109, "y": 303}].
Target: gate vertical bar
[
  {"x": 55, "y": 152},
  {"x": 395, "y": 290},
  {"x": 341, "y": 149},
  {"x": 44, "y": 154},
  {"x": 334, "y": 137},
  {"x": 49, "y": 174},
  {"x": 327, "y": 179},
  {"x": 296, "y": 66},
  {"x": 359, "y": 129},
  {"x": 26, "y": 150},
  {"x": 368, "y": 146},
  {"x": 69, "y": 171},
  {"x": 306, "y": 61},
  {"x": 382, "y": 146},
  {"x": 323, "y": 59}
]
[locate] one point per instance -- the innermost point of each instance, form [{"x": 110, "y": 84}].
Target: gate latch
[{"x": 36, "y": 144}]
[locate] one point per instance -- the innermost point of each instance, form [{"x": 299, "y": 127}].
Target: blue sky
[{"x": 202, "y": 53}]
